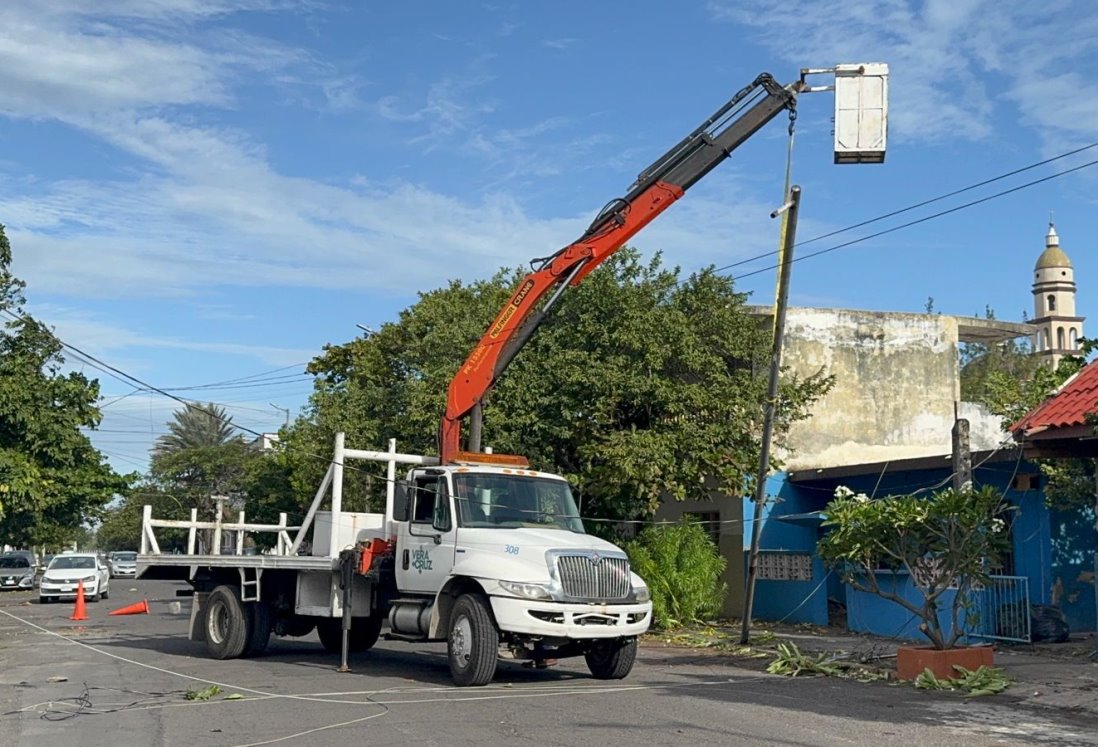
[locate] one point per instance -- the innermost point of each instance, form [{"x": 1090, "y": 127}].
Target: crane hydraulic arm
[{"x": 657, "y": 187}]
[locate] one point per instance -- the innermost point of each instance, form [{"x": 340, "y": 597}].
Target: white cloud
[
  {"x": 946, "y": 57},
  {"x": 206, "y": 208},
  {"x": 104, "y": 339},
  {"x": 560, "y": 44}
]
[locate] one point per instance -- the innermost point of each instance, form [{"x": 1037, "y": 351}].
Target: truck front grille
[{"x": 595, "y": 578}]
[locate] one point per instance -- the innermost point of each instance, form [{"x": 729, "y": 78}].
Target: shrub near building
[{"x": 682, "y": 568}]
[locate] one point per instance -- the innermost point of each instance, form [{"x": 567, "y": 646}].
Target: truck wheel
[
  {"x": 365, "y": 631},
  {"x": 294, "y": 626},
  {"x": 330, "y": 630},
  {"x": 364, "y": 634},
  {"x": 473, "y": 642},
  {"x": 259, "y": 634},
  {"x": 612, "y": 659},
  {"x": 227, "y": 623}
]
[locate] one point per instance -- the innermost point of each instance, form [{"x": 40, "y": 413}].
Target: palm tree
[
  {"x": 201, "y": 456},
  {"x": 196, "y": 426}
]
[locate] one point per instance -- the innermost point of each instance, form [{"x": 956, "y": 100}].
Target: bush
[{"x": 682, "y": 568}]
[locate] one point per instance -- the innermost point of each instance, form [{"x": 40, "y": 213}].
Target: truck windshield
[{"x": 513, "y": 501}]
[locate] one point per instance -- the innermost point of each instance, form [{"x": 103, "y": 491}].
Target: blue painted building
[
  {"x": 1052, "y": 550},
  {"x": 885, "y": 428}
]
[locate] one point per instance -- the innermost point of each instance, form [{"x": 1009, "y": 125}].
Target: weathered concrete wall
[{"x": 897, "y": 377}]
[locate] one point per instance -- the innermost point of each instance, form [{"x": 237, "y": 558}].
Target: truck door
[{"x": 426, "y": 553}]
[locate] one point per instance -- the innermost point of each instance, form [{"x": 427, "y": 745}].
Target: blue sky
[{"x": 199, "y": 192}]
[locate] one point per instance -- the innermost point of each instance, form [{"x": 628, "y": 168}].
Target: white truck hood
[{"x": 519, "y": 554}]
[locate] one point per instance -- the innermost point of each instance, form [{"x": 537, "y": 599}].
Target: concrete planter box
[{"x": 912, "y": 660}]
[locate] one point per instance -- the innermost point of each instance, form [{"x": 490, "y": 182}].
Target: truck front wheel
[
  {"x": 612, "y": 659},
  {"x": 227, "y": 624},
  {"x": 473, "y": 642}
]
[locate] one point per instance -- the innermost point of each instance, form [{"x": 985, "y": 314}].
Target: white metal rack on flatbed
[{"x": 285, "y": 553}]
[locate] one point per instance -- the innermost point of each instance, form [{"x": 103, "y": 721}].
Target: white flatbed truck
[{"x": 490, "y": 558}]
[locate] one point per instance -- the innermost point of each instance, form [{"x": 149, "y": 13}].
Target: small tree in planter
[{"x": 945, "y": 542}]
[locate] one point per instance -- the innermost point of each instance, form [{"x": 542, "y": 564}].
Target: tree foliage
[
  {"x": 51, "y": 478},
  {"x": 640, "y": 384},
  {"x": 947, "y": 543},
  {"x": 121, "y": 525},
  {"x": 201, "y": 456},
  {"x": 1010, "y": 381},
  {"x": 196, "y": 426}
]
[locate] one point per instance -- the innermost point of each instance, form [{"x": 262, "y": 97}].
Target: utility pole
[{"x": 781, "y": 302}]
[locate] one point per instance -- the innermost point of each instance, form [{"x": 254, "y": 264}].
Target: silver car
[
  {"x": 123, "y": 564},
  {"x": 16, "y": 573}
]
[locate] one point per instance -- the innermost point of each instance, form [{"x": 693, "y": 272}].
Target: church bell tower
[{"x": 1058, "y": 328}]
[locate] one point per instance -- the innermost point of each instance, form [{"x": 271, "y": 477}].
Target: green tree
[
  {"x": 944, "y": 543},
  {"x": 196, "y": 426},
  {"x": 202, "y": 456},
  {"x": 1010, "y": 381},
  {"x": 121, "y": 525},
  {"x": 1002, "y": 375},
  {"x": 51, "y": 478},
  {"x": 640, "y": 384},
  {"x": 270, "y": 492}
]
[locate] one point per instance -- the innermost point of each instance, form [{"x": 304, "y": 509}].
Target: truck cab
[{"x": 488, "y": 552}]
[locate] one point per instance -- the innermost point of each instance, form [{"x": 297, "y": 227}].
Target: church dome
[{"x": 1053, "y": 255}]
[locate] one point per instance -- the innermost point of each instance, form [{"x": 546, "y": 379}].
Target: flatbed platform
[{"x": 172, "y": 566}]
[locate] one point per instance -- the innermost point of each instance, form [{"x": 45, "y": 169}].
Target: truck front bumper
[{"x": 579, "y": 621}]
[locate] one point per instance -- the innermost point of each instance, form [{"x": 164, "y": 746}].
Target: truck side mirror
[{"x": 401, "y": 503}]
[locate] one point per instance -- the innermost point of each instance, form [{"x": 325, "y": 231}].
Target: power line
[
  {"x": 243, "y": 378},
  {"x": 924, "y": 219},
  {"x": 915, "y": 206}
]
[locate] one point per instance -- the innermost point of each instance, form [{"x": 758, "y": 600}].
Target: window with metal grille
[{"x": 710, "y": 521}]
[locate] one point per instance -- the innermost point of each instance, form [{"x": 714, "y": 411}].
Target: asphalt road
[{"x": 133, "y": 672}]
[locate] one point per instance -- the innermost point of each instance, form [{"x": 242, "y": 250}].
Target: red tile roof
[{"x": 1077, "y": 398}]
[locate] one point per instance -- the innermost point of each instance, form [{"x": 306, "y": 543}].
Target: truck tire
[
  {"x": 330, "y": 631},
  {"x": 294, "y": 626},
  {"x": 259, "y": 634},
  {"x": 364, "y": 634},
  {"x": 472, "y": 645},
  {"x": 365, "y": 631},
  {"x": 227, "y": 623},
  {"x": 611, "y": 659}
]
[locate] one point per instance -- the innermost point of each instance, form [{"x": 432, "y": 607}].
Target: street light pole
[{"x": 285, "y": 410}]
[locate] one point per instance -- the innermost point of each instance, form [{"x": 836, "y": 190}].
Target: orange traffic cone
[
  {"x": 138, "y": 608},
  {"x": 79, "y": 612}
]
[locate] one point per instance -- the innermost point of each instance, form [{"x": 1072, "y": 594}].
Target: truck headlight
[
  {"x": 529, "y": 591},
  {"x": 641, "y": 594}
]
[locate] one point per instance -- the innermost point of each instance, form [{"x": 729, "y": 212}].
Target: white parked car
[{"x": 65, "y": 573}]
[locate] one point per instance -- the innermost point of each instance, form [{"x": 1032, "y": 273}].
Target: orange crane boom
[{"x": 655, "y": 189}]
